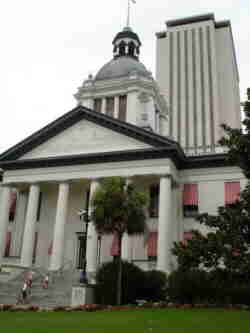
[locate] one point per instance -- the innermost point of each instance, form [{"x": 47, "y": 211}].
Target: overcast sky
[{"x": 48, "y": 47}]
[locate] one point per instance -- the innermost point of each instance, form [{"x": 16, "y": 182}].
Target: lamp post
[{"x": 84, "y": 216}]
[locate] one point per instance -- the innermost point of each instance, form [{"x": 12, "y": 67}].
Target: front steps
[{"x": 58, "y": 293}]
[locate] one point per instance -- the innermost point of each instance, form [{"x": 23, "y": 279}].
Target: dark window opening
[
  {"x": 98, "y": 105},
  {"x": 39, "y": 206},
  {"x": 154, "y": 201},
  {"x": 122, "y": 115},
  {"x": 81, "y": 250},
  {"x": 122, "y": 49},
  {"x": 13, "y": 206},
  {"x": 190, "y": 210},
  {"x": 110, "y": 104}
]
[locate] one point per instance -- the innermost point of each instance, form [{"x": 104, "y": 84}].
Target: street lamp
[{"x": 84, "y": 216}]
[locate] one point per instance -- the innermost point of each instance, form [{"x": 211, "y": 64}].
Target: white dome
[{"x": 120, "y": 67}]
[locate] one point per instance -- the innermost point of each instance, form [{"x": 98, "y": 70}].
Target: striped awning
[
  {"x": 232, "y": 192},
  {"x": 13, "y": 200},
  {"x": 190, "y": 195},
  {"x": 152, "y": 244},
  {"x": 114, "y": 251}
]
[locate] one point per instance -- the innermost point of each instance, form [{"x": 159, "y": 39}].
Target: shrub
[
  {"x": 154, "y": 288},
  {"x": 188, "y": 287},
  {"x": 132, "y": 283},
  {"x": 216, "y": 287}
]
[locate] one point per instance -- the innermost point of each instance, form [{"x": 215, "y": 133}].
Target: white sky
[{"x": 48, "y": 47}]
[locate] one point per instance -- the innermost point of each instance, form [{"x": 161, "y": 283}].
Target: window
[
  {"x": 122, "y": 115},
  {"x": 39, "y": 206},
  {"x": 190, "y": 200},
  {"x": 35, "y": 248},
  {"x": 98, "y": 105},
  {"x": 110, "y": 103},
  {"x": 232, "y": 192},
  {"x": 152, "y": 246},
  {"x": 7, "y": 245},
  {"x": 13, "y": 199},
  {"x": 154, "y": 201}
]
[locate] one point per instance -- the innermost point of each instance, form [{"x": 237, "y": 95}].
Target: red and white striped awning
[
  {"x": 114, "y": 251},
  {"x": 152, "y": 244},
  {"x": 232, "y": 192},
  {"x": 190, "y": 195}
]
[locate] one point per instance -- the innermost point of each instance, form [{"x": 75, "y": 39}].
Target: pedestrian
[
  {"x": 83, "y": 277},
  {"x": 45, "y": 282},
  {"x": 24, "y": 292},
  {"x": 30, "y": 279}
]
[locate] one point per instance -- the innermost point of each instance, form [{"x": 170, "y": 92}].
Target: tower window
[
  {"x": 98, "y": 104},
  {"x": 110, "y": 103},
  {"x": 122, "y": 115},
  {"x": 190, "y": 200}
]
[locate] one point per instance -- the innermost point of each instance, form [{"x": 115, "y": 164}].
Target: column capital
[{"x": 165, "y": 175}]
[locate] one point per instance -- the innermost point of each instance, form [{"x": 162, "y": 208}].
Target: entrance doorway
[{"x": 81, "y": 250}]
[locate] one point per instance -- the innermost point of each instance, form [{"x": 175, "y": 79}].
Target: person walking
[
  {"x": 24, "y": 292},
  {"x": 45, "y": 282}
]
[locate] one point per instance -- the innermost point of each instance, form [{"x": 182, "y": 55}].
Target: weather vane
[{"x": 128, "y": 18}]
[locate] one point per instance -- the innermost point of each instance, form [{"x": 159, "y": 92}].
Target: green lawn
[{"x": 145, "y": 321}]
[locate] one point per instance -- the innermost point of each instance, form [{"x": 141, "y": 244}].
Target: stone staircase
[{"x": 58, "y": 293}]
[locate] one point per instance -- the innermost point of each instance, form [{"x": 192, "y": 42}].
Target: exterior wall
[
  {"x": 197, "y": 72},
  {"x": 228, "y": 79},
  {"x": 211, "y": 192}
]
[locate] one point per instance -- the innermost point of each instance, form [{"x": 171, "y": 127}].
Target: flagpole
[{"x": 128, "y": 18}]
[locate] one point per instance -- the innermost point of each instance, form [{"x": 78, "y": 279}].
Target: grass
[{"x": 145, "y": 321}]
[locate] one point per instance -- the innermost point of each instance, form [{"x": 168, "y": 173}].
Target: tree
[
  {"x": 119, "y": 208},
  {"x": 227, "y": 243}
]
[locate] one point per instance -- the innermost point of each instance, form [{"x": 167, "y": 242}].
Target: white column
[
  {"x": 116, "y": 107},
  {"x": 4, "y": 218},
  {"x": 30, "y": 226},
  {"x": 164, "y": 225},
  {"x": 59, "y": 228},
  {"x": 126, "y": 247},
  {"x": 103, "y": 110},
  {"x": 126, "y": 251},
  {"x": 92, "y": 239}
]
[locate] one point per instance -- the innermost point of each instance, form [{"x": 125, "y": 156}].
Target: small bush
[
  {"x": 200, "y": 287},
  {"x": 154, "y": 288},
  {"x": 188, "y": 287},
  {"x": 132, "y": 283}
]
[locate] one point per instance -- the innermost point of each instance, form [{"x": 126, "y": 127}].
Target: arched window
[
  {"x": 122, "y": 48},
  {"x": 131, "y": 49}
]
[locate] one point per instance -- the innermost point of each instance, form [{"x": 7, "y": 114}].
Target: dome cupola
[{"x": 126, "y": 43}]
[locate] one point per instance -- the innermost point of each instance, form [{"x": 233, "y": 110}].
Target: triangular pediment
[
  {"x": 84, "y": 132},
  {"x": 85, "y": 137}
]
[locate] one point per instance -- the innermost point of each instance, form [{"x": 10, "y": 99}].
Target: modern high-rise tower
[{"x": 197, "y": 72}]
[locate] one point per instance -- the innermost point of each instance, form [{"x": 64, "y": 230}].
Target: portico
[{"x": 63, "y": 191}]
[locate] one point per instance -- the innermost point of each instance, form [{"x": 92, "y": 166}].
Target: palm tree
[{"x": 118, "y": 208}]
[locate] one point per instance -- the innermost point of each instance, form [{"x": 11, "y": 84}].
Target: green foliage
[
  {"x": 238, "y": 141},
  {"x": 227, "y": 243},
  {"x": 119, "y": 208},
  {"x": 188, "y": 287},
  {"x": 154, "y": 288},
  {"x": 132, "y": 283},
  {"x": 199, "y": 286},
  {"x": 136, "y": 284}
]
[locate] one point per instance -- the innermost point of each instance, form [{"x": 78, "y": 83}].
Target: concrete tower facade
[{"x": 197, "y": 72}]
